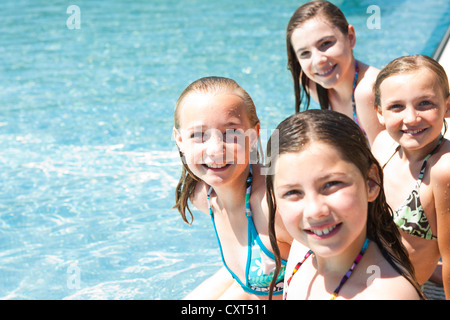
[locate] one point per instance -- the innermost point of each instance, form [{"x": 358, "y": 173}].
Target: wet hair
[
  {"x": 304, "y": 13},
  {"x": 408, "y": 64},
  {"x": 296, "y": 133},
  {"x": 212, "y": 86}
]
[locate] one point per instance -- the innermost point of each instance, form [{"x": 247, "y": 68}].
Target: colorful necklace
[{"x": 344, "y": 278}]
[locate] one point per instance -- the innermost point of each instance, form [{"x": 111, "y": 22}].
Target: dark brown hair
[
  {"x": 301, "y": 82},
  {"x": 340, "y": 132}
]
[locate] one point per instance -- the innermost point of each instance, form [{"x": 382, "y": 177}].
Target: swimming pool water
[{"x": 87, "y": 163}]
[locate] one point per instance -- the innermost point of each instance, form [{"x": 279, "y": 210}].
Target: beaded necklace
[{"x": 344, "y": 278}]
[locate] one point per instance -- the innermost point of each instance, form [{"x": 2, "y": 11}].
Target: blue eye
[
  {"x": 332, "y": 183},
  {"x": 197, "y": 135},
  {"x": 395, "y": 107},
  {"x": 331, "y": 186},
  {"x": 292, "y": 193},
  {"x": 425, "y": 105},
  {"x": 325, "y": 44},
  {"x": 234, "y": 131},
  {"x": 233, "y": 135},
  {"x": 304, "y": 54}
]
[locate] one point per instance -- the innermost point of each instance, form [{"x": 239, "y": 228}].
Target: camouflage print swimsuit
[{"x": 410, "y": 216}]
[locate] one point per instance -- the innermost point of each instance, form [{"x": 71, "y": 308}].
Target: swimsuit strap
[
  {"x": 390, "y": 158},
  {"x": 355, "y": 80},
  {"x": 248, "y": 211},
  {"x": 246, "y": 286},
  {"x": 344, "y": 278},
  {"x": 424, "y": 163},
  {"x": 217, "y": 235},
  {"x": 354, "y": 85}
]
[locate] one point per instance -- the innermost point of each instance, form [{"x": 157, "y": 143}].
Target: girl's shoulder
[
  {"x": 258, "y": 177},
  {"x": 367, "y": 76},
  {"x": 365, "y": 101},
  {"x": 199, "y": 196},
  {"x": 382, "y": 280},
  {"x": 394, "y": 287},
  {"x": 366, "y": 79},
  {"x": 440, "y": 166},
  {"x": 383, "y": 147}
]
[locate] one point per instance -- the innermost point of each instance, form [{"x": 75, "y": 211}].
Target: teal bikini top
[{"x": 260, "y": 261}]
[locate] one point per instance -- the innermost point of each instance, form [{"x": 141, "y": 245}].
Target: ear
[
  {"x": 380, "y": 115},
  {"x": 257, "y": 129},
  {"x": 351, "y": 36},
  {"x": 178, "y": 139},
  {"x": 447, "y": 111},
  {"x": 255, "y": 135},
  {"x": 373, "y": 183}
]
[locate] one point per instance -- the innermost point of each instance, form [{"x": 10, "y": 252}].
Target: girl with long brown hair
[
  {"x": 320, "y": 44},
  {"x": 328, "y": 189}
]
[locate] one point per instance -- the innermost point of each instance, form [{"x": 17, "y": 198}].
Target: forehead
[
  {"x": 421, "y": 81},
  {"x": 314, "y": 161},
  {"x": 313, "y": 30},
  {"x": 212, "y": 108}
]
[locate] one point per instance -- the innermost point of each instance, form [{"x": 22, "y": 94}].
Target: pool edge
[{"x": 442, "y": 55}]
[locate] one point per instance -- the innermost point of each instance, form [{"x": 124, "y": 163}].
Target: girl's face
[
  {"x": 413, "y": 108},
  {"x": 215, "y": 134},
  {"x": 322, "y": 199},
  {"x": 323, "y": 51}
]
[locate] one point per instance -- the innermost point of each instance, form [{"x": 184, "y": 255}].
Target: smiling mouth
[
  {"x": 326, "y": 72},
  {"x": 216, "y": 165},
  {"x": 324, "y": 232},
  {"x": 413, "y": 132}
]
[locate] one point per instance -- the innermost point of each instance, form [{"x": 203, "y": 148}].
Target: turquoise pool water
[{"x": 87, "y": 162}]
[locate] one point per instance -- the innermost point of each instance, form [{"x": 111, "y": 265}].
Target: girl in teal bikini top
[{"x": 260, "y": 261}]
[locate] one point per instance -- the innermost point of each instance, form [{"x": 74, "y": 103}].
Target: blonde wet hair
[
  {"x": 408, "y": 64},
  {"x": 206, "y": 86}
]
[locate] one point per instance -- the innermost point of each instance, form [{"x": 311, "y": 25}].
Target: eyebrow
[
  {"x": 318, "y": 41},
  {"x": 229, "y": 124},
  {"x": 333, "y": 175},
  {"x": 420, "y": 98},
  {"x": 233, "y": 124},
  {"x": 427, "y": 97},
  {"x": 330, "y": 176}
]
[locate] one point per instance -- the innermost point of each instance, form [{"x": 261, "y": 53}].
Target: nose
[
  {"x": 411, "y": 116},
  {"x": 319, "y": 58},
  {"x": 215, "y": 146},
  {"x": 315, "y": 208}
]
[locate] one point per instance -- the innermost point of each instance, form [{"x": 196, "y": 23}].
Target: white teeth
[
  {"x": 215, "y": 165},
  {"x": 321, "y": 74},
  {"x": 414, "y": 131},
  {"x": 325, "y": 72},
  {"x": 324, "y": 231}
]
